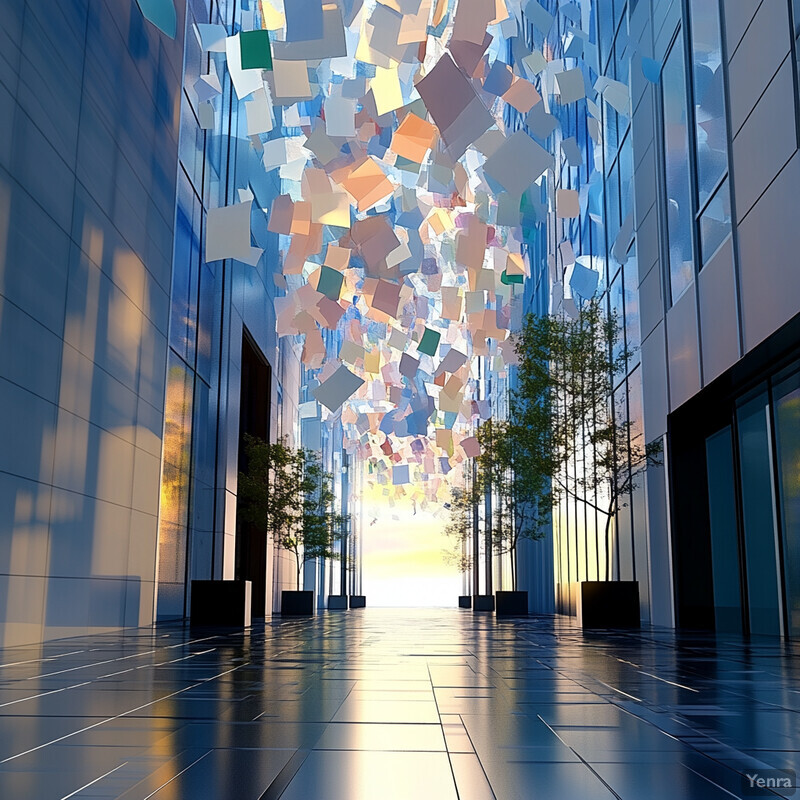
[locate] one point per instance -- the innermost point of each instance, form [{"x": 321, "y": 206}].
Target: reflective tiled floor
[{"x": 378, "y": 705}]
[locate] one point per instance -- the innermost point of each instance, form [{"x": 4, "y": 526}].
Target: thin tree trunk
[
  {"x": 299, "y": 567},
  {"x": 609, "y": 517}
]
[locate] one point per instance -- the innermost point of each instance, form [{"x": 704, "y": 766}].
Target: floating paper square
[
  {"x": 567, "y": 204},
  {"x": 429, "y": 342},
  {"x": 517, "y": 163},
  {"x": 572, "y": 152},
  {"x": 386, "y": 298},
  {"x": 584, "y": 281},
  {"x": 338, "y": 388},
  {"x": 471, "y": 447},
  {"x": 400, "y": 474},
  {"x": 570, "y": 85},
  {"x": 330, "y": 282},
  {"x": 228, "y": 232},
  {"x": 256, "y": 50},
  {"x": 539, "y": 16},
  {"x": 408, "y": 365}
]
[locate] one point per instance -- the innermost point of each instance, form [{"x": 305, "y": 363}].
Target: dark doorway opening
[{"x": 254, "y": 418}]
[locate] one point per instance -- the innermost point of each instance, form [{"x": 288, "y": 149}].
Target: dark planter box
[
  {"x": 358, "y": 601},
  {"x": 220, "y": 604},
  {"x": 608, "y": 604},
  {"x": 512, "y": 604},
  {"x": 297, "y": 604},
  {"x": 337, "y": 602},
  {"x": 483, "y": 602},
  {"x": 465, "y": 601}
]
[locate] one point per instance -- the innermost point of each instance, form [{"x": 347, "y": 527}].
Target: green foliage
[
  {"x": 514, "y": 467},
  {"x": 463, "y": 499},
  {"x": 285, "y": 493},
  {"x": 563, "y": 406}
]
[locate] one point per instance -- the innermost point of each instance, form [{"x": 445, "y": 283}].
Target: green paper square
[
  {"x": 507, "y": 279},
  {"x": 429, "y": 342},
  {"x": 330, "y": 283},
  {"x": 256, "y": 50},
  {"x": 406, "y": 165}
]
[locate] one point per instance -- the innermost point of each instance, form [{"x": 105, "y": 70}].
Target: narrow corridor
[{"x": 406, "y": 704}]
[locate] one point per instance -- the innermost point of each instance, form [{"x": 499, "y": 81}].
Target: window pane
[
  {"x": 174, "y": 508},
  {"x": 724, "y": 537},
  {"x": 183, "y": 318},
  {"x": 787, "y": 430},
  {"x": 676, "y": 169},
  {"x": 796, "y": 15},
  {"x": 617, "y": 308},
  {"x": 710, "y": 128},
  {"x": 631, "y": 302},
  {"x": 626, "y": 176},
  {"x": 612, "y": 205},
  {"x": 715, "y": 222},
  {"x": 758, "y": 517},
  {"x": 605, "y": 22}
]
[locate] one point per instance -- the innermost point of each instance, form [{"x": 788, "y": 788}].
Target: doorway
[{"x": 254, "y": 419}]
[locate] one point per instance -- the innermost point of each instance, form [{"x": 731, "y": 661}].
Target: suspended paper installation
[
  {"x": 418, "y": 148},
  {"x": 160, "y": 13}
]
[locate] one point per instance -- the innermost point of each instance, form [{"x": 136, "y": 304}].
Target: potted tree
[
  {"x": 286, "y": 494},
  {"x": 514, "y": 467},
  {"x": 266, "y": 494},
  {"x": 460, "y": 529},
  {"x": 315, "y": 530},
  {"x": 568, "y": 367}
]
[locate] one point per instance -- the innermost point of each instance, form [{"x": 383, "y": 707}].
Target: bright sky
[{"x": 403, "y": 563}]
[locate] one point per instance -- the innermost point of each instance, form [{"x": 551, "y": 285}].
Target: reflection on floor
[{"x": 378, "y": 705}]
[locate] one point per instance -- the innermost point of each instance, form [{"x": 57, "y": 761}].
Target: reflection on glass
[
  {"x": 707, "y": 78},
  {"x": 617, "y": 308},
  {"x": 175, "y": 477},
  {"x": 626, "y": 177},
  {"x": 758, "y": 516},
  {"x": 724, "y": 537},
  {"x": 715, "y": 222},
  {"x": 605, "y": 21},
  {"x": 633, "y": 335},
  {"x": 612, "y": 204},
  {"x": 186, "y": 263},
  {"x": 787, "y": 434},
  {"x": 676, "y": 168}
]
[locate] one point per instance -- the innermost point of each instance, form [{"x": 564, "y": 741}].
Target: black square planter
[
  {"x": 512, "y": 604},
  {"x": 358, "y": 601},
  {"x": 465, "y": 601},
  {"x": 220, "y": 604},
  {"x": 297, "y": 604},
  {"x": 337, "y": 602},
  {"x": 608, "y": 604},
  {"x": 483, "y": 602}
]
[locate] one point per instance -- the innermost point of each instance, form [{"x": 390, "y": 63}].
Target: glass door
[
  {"x": 786, "y": 399},
  {"x": 725, "y": 566},
  {"x": 758, "y": 516}
]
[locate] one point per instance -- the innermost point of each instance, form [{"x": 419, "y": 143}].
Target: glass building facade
[{"x": 684, "y": 203}]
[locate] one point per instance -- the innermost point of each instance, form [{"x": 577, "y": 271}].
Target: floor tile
[{"x": 413, "y": 704}]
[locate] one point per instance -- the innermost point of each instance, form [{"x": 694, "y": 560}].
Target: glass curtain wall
[
  {"x": 187, "y": 507},
  {"x": 712, "y": 192},
  {"x": 677, "y": 177},
  {"x": 786, "y": 398},
  {"x": 753, "y": 473},
  {"x": 580, "y": 551}
]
